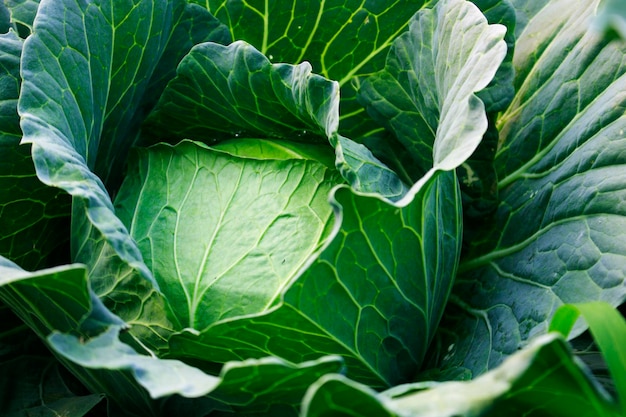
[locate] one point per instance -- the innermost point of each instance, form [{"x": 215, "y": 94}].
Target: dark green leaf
[
  {"x": 38, "y": 386},
  {"x": 23, "y": 13},
  {"x": 542, "y": 380},
  {"x": 343, "y": 40},
  {"x": 556, "y": 236},
  {"x": 33, "y": 217}
]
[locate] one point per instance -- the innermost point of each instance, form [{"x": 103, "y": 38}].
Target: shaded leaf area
[
  {"x": 22, "y": 15},
  {"x": 426, "y": 94},
  {"x": 555, "y": 237},
  {"x": 343, "y": 40},
  {"x": 374, "y": 294},
  {"x": 223, "y": 234},
  {"x": 37, "y": 385},
  {"x": 58, "y": 304},
  {"x": 544, "y": 379},
  {"x": 32, "y": 215}
]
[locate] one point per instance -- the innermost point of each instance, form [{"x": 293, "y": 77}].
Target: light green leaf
[
  {"x": 85, "y": 70},
  {"x": 374, "y": 294},
  {"x": 426, "y": 94},
  {"x": 224, "y": 235},
  {"x": 235, "y": 91},
  {"x": 32, "y": 215},
  {"x": 556, "y": 236},
  {"x": 608, "y": 329},
  {"x": 544, "y": 379}
]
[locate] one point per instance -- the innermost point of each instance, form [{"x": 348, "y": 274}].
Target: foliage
[{"x": 330, "y": 208}]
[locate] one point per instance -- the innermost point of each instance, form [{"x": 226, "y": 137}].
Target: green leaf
[
  {"x": 611, "y": 18},
  {"x": 366, "y": 173},
  {"x": 526, "y": 9},
  {"x": 23, "y": 13},
  {"x": 343, "y": 40},
  {"x": 33, "y": 217},
  {"x": 383, "y": 275},
  {"x": 224, "y": 235},
  {"x": 608, "y": 329},
  {"x": 555, "y": 237},
  {"x": 251, "y": 385},
  {"x": 426, "y": 93},
  {"x": 86, "y": 70},
  {"x": 5, "y": 18},
  {"x": 235, "y": 91},
  {"x": 37, "y": 385},
  {"x": 544, "y": 379}
]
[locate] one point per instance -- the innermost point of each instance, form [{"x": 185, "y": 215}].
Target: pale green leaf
[
  {"x": 224, "y": 235},
  {"x": 426, "y": 95},
  {"x": 374, "y": 294}
]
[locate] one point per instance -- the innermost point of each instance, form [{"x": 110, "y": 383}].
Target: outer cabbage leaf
[
  {"x": 556, "y": 236},
  {"x": 426, "y": 94},
  {"x": 59, "y": 305},
  {"x": 373, "y": 294},
  {"x": 86, "y": 70},
  {"x": 5, "y": 19},
  {"x": 343, "y": 40},
  {"x": 543, "y": 379},
  {"x": 247, "y": 387},
  {"x": 236, "y": 91},
  {"x": 32, "y": 215}
]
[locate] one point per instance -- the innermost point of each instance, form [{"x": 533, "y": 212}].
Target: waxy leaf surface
[
  {"x": 426, "y": 93},
  {"x": 373, "y": 295},
  {"x": 544, "y": 379},
  {"x": 556, "y": 235}
]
